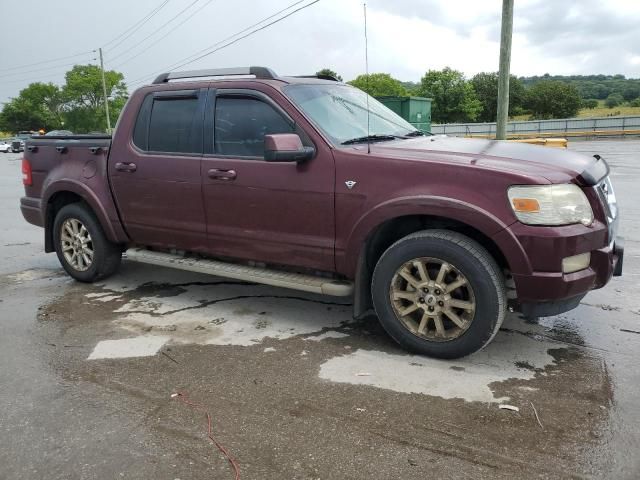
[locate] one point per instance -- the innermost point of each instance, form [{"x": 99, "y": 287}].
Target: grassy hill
[{"x": 600, "y": 111}]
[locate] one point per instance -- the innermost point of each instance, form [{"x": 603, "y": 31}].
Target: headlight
[{"x": 563, "y": 204}]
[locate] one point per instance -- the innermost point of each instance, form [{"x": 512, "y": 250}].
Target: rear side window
[
  {"x": 168, "y": 125},
  {"x": 241, "y": 124}
]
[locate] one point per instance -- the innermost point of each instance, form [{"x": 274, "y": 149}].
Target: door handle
[
  {"x": 126, "y": 167},
  {"x": 222, "y": 174}
]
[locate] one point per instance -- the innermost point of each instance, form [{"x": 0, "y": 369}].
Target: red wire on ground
[{"x": 234, "y": 463}]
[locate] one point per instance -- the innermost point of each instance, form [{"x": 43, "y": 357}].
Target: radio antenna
[{"x": 366, "y": 70}]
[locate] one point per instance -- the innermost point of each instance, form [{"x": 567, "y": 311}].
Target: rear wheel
[
  {"x": 81, "y": 245},
  {"x": 439, "y": 293}
]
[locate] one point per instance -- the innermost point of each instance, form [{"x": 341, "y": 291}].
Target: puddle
[
  {"x": 33, "y": 274},
  {"x": 145, "y": 346},
  {"x": 329, "y": 334},
  {"x": 216, "y": 313},
  {"x": 511, "y": 355}
]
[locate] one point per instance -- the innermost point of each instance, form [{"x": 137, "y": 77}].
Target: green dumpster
[{"x": 415, "y": 110}]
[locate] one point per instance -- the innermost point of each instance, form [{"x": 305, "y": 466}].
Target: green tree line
[
  {"x": 458, "y": 99},
  {"x": 597, "y": 87},
  {"x": 78, "y": 105}
]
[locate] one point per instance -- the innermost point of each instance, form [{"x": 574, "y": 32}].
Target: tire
[
  {"x": 482, "y": 295},
  {"x": 106, "y": 256}
]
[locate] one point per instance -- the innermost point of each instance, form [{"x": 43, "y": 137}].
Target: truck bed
[{"x": 76, "y": 165}]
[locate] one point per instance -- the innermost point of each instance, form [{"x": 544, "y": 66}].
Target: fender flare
[
  {"x": 114, "y": 233},
  {"x": 447, "y": 208}
]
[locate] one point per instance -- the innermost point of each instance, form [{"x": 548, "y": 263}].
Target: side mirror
[{"x": 286, "y": 147}]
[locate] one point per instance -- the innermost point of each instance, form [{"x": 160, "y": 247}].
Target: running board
[{"x": 276, "y": 278}]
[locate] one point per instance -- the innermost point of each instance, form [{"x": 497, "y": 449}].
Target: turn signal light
[
  {"x": 526, "y": 205},
  {"x": 27, "y": 178}
]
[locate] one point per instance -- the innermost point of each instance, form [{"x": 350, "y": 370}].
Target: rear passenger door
[
  {"x": 157, "y": 186},
  {"x": 280, "y": 213}
]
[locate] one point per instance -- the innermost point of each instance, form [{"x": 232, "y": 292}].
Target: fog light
[{"x": 575, "y": 263}]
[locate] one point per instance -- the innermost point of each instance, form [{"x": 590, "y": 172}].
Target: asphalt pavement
[{"x": 295, "y": 388}]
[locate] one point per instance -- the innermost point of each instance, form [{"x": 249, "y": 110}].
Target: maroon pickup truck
[{"x": 305, "y": 183}]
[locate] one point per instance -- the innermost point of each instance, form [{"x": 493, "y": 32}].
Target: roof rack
[
  {"x": 322, "y": 76},
  {"x": 259, "y": 72}
]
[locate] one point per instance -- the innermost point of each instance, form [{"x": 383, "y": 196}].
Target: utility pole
[
  {"x": 503, "y": 75},
  {"x": 104, "y": 92}
]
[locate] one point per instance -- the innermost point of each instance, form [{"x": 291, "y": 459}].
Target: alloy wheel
[
  {"x": 432, "y": 299},
  {"x": 77, "y": 245}
]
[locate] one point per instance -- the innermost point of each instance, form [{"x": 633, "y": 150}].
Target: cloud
[{"x": 406, "y": 37}]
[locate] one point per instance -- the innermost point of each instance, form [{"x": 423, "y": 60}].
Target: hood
[{"x": 555, "y": 164}]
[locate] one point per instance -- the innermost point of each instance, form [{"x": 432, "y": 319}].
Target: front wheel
[
  {"x": 81, "y": 245},
  {"x": 439, "y": 293}
]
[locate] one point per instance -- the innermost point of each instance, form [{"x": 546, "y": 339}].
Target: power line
[
  {"x": 239, "y": 33},
  {"x": 66, "y": 57},
  {"x": 248, "y": 34},
  {"x": 170, "y": 67},
  {"x": 48, "y": 61},
  {"x": 39, "y": 69},
  {"x": 131, "y": 30},
  {"x": 159, "y": 28},
  {"x": 32, "y": 80},
  {"x": 143, "y": 78},
  {"x": 164, "y": 36}
]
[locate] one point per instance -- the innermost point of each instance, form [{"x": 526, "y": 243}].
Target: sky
[{"x": 406, "y": 37}]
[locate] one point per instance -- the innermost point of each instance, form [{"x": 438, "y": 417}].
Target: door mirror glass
[{"x": 286, "y": 147}]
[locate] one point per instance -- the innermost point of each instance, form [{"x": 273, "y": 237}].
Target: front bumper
[
  {"x": 548, "y": 286},
  {"x": 544, "y": 294}
]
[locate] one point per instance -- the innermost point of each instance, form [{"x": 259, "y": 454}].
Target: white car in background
[{"x": 5, "y": 147}]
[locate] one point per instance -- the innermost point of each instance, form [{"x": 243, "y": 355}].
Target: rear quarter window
[{"x": 168, "y": 125}]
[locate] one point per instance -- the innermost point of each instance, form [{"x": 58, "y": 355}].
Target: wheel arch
[
  {"x": 386, "y": 232},
  {"x": 66, "y": 192}
]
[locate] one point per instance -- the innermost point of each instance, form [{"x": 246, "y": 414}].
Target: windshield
[{"x": 340, "y": 111}]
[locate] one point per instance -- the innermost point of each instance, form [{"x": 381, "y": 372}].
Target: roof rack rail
[
  {"x": 259, "y": 72},
  {"x": 322, "y": 76}
]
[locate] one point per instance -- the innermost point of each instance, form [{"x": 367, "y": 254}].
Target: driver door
[{"x": 278, "y": 213}]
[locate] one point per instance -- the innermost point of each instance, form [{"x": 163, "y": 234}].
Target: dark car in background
[{"x": 17, "y": 144}]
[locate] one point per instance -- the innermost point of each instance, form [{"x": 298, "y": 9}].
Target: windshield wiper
[
  {"x": 370, "y": 138},
  {"x": 415, "y": 133}
]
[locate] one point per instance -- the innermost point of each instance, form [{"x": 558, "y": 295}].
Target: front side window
[
  {"x": 241, "y": 124},
  {"x": 172, "y": 126}
]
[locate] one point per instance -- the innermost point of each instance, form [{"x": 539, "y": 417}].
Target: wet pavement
[{"x": 295, "y": 387}]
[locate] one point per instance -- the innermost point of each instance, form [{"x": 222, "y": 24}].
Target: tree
[
  {"x": 84, "y": 97},
  {"x": 485, "y": 85},
  {"x": 631, "y": 92},
  {"x": 613, "y": 100},
  {"x": 635, "y": 102},
  {"x": 379, "y": 85},
  {"x": 37, "y": 106},
  {"x": 590, "y": 103},
  {"x": 553, "y": 99},
  {"x": 411, "y": 87},
  {"x": 453, "y": 98},
  {"x": 330, "y": 73},
  {"x": 78, "y": 105}
]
